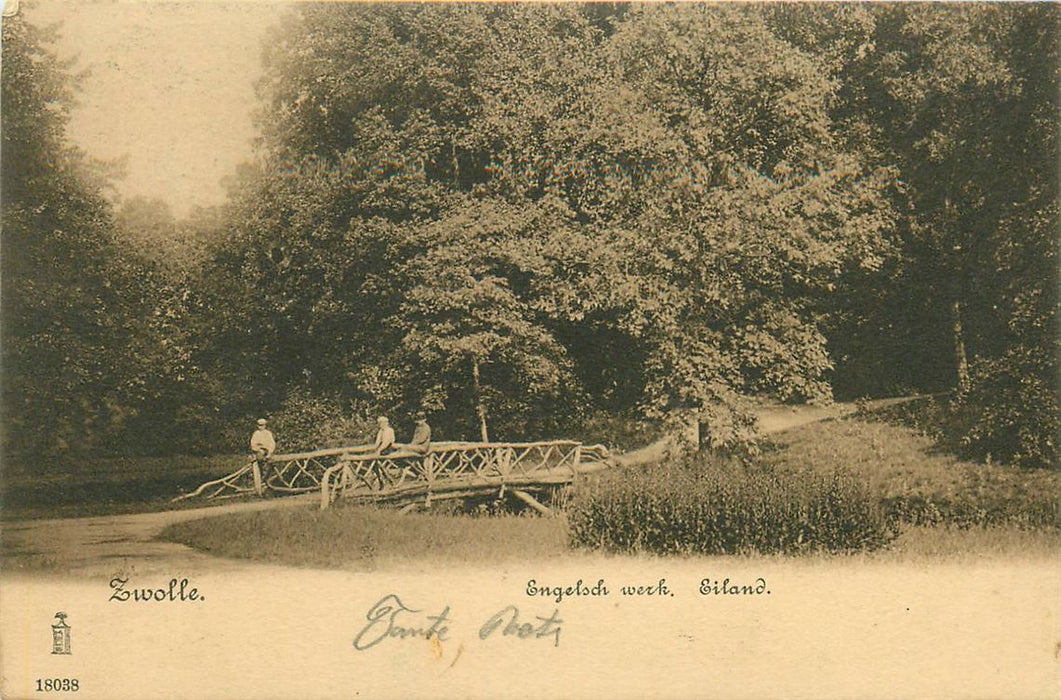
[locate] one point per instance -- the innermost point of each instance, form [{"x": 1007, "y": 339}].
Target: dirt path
[
  {"x": 100, "y": 545},
  {"x": 772, "y": 419}
]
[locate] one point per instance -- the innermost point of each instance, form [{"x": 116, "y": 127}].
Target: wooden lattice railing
[
  {"x": 297, "y": 472},
  {"x": 449, "y": 470}
]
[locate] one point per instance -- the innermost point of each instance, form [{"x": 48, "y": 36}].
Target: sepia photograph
[{"x": 529, "y": 350}]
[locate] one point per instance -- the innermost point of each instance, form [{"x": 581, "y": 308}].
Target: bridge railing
[
  {"x": 448, "y": 467},
  {"x": 295, "y": 472},
  {"x": 455, "y": 466}
]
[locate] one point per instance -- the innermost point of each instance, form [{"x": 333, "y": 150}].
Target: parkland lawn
[{"x": 946, "y": 508}]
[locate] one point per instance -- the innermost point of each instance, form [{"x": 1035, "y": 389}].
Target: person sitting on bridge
[
  {"x": 383, "y": 445},
  {"x": 262, "y": 445},
  {"x": 421, "y": 443},
  {"x": 384, "y": 437}
]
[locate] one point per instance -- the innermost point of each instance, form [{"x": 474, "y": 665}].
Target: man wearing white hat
[
  {"x": 262, "y": 445},
  {"x": 384, "y": 438}
]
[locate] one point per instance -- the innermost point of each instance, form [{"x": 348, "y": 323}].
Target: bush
[
  {"x": 1012, "y": 410},
  {"x": 716, "y": 505},
  {"x": 1011, "y": 414},
  {"x": 619, "y": 432},
  {"x": 305, "y": 422}
]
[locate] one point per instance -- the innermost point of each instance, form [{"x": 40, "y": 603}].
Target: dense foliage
[
  {"x": 963, "y": 102},
  {"x": 513, "y": 214},
  {"x": 95, "y": 336},
  {"x": 521, "y": 217},
  {"x": 718, "y": 506},
  {"x": 68, "y": 296}
]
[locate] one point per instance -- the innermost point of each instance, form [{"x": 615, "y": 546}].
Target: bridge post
[
  {"x": 256, "y": 465},
  {"x": 504, "y": 460},
  {"x": 429, "y": 473},
  {"x": 504, "y": 466},
  {"x": 326, "y": 495}
]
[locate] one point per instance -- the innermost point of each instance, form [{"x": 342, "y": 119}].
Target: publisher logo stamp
[{"x": 60, "y": 635}]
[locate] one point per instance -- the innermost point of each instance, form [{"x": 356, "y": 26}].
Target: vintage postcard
[{"x": 529, "y": 350}]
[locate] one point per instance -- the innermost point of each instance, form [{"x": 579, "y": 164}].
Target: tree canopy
[
  {"x": 63, "y": 313},
  {"x": 547, "y": 184},
  {"x": 515, "y": 216}
]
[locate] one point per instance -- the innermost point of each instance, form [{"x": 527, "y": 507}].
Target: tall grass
[{"x": 717, "y": 505}]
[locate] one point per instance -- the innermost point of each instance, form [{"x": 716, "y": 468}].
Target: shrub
[
  {"x": 1012, "y": 410},
  {"x": 307, "y": 422},
  {"x": 619, "y": 432},
  {"x": 718, "y": 505},
  {"x": 1010, "y": 415}
]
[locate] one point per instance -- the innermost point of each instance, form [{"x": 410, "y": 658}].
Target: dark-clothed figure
[{"x": 421, "y": 436}]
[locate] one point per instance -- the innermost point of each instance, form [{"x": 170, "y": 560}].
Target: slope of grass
[
  {"x": 965, "y": 544},
  {"x": 918, "y": 481},
  {"x": 365, "y": 538}
]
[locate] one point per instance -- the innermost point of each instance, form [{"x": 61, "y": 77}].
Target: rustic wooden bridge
[{"x": 411, "y": 479}]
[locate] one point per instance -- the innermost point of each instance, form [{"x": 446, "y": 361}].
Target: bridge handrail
[
  {"x": 325, "y": 452},
  {"x": 295, "y": 472},
  {"x": 342, "y": 463},
  {"x": 369, "y": 450},
  {"x": 596, "y": 453}
]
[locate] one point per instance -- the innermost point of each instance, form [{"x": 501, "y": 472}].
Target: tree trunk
[
  {"x": 703, "y": 435},
  {"x": 961, "y": 360},
  {"x": 480, "y": 408},
  {"x": 456, "y": 166}
]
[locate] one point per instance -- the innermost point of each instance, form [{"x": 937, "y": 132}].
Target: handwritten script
[{"x": 391, "y": 619}]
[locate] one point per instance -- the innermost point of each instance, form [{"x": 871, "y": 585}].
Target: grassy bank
[
  {"x": 365, "y": 538},
  {"x": 968, "y": 544},
  {"x": 917, "y": 481}
]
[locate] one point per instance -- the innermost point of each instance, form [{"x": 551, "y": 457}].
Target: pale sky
[{"x": 171, "y": 88}]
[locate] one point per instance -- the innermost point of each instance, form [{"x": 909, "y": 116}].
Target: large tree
[
  {"x": 501, "y": 205},
  {"x": 84, "y": 344},
  {"x": 963, "y": 102},
  {"x": 57, "y": 296}
]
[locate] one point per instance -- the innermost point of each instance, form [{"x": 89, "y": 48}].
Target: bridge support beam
[{"x": 532, "y": 502}]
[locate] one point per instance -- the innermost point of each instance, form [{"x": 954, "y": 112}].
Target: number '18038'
[{"x": 47, "y": 685}]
